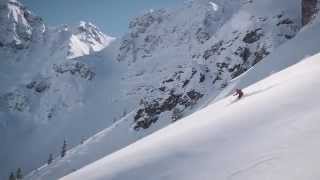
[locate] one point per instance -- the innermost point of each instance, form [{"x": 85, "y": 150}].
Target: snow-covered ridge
[
  {"x": 18, "y": 25},
  {"x": 42, "y": 83},
  {"x": 20, "y": 28},
  {"x": 86, "y": 39}
]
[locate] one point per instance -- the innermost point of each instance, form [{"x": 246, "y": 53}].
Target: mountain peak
[
  {"x": 18, "y": 24},
  {"x": 86, "y": 38}
]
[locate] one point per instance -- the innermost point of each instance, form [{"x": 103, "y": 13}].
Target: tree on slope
[
  {"x": 12, "y": 176},
  {"x": 176, "y": 114},
  {"x": 82, "y": 140},
  {"x": 19, "y": 173},
  {"x": 50, "y": 158},
  {"x": 64, "y": 149}
]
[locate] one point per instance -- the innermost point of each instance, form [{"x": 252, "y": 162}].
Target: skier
[{"x": 238, "y": 93}]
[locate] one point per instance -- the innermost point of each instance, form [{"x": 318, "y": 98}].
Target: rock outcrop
[{"x": 309, "y": 9}]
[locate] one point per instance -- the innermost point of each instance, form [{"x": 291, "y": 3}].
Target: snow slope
[{"x": 272, "y": 133}]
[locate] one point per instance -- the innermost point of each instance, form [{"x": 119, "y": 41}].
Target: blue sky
[{"x": 112, "y": 16}]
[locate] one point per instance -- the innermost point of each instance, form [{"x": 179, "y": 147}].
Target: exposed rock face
[
  {"x": 209, "y": 57},
  {"x": 309, "y": 9},
  {"x": 74, "y": 68},
  {"x": 148, "y": 115}
]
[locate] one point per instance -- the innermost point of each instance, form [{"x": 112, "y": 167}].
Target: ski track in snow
[{"x": 252, "y": 166}]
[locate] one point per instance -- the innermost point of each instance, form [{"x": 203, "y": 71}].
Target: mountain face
[
  {"x": 271, "y": 133},
  {"x": 175, "y": 62},
  {"x": 200, "y": 48},
  {"x": 40, "y": 82}
]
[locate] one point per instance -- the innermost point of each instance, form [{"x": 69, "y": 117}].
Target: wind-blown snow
[
  {"x": 272, "y": 133},
  {"x": 215, "y": 7}
]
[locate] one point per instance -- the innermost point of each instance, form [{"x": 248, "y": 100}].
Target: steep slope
[
  {"x": 200, "y": 49},
  {"x": 272, "y": 133},
  {"x": 41, "y": 86},
  {"x": 176, "y": 62}
]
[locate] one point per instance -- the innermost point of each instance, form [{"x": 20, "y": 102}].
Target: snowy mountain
[
  {"x": 200, "y": 49},
  {"x": 41, "y": 85},
  {"x": 173, "y": 63},
  {"x": 272, "y": 133},
  {"x": 86, "y": 39}
]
